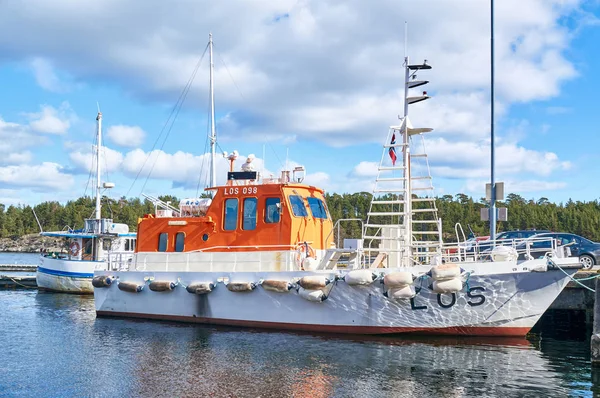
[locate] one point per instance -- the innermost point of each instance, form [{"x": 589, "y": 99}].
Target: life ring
[
  {"x": 304, "y": 250},
  {"x": 74, "y": 249}
]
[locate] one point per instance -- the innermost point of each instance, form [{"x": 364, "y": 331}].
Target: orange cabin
[{"x": 258, "y": 217}]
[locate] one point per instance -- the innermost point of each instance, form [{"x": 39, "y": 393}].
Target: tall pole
[
  {"x": 213, "y": 136},
  {"x": 406, "y": 155},
  {"x": 492, "y": 149},
  {"x": 98, "y": 184}
]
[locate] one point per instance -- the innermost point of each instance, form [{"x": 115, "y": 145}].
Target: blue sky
[{"x": 314, "y": 82}]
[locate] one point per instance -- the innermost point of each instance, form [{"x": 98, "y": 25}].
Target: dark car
[{"x": 587, "y": 251}]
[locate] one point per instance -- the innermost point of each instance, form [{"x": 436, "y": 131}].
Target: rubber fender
[
  {"x": 241, "y": 286},
  {"x": 130, "y": 287},
  {"x": 397, "y": 279},
  {"x": 314, "y": 282},
  {"x": 312, "y": 295},
  {"x": 200, "y": 287},
  {"x": 276, "y": 286},
  {"x": 405, "y": 292},
  {"x": 445, "y": 271},
  {"x": 453, "y": 285},
  {"x": 162, "y": 286},
  {"x": 102, "y": 281},
  {"x": 359, "y": 277}
]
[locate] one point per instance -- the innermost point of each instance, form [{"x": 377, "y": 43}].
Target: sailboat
[
  {"x": 100, "y": 245},
  {"x": 261, "y": 253}
]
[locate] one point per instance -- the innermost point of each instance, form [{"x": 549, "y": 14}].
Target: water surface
[{"x": 53, "y": 345}]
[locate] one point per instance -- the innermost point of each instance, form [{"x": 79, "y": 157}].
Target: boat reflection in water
[{"x": 221, "y": 361}]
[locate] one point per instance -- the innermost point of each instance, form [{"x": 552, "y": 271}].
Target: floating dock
[
  {"x": 10, "y": 277},
  {"x": 17, "y": 282}
]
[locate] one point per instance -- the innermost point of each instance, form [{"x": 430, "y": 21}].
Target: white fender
[
  {"x": 397, "y": 279},
  {"x": 314, "y": 282},
  {"x": 276, "y": 285},
  {"x": 448, "y": 286},
  {"x": 359, "y": 277},
  {"x": 312, "y": 295},
  {"x": 445, "y": 271},
  {"x": 405, "y": 292}
]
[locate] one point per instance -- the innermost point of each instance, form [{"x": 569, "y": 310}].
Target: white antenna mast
[
  {"x": 98, "y": 146},
  {"x": 213, "y": 136},
  {"x": 406, "y": 152}
]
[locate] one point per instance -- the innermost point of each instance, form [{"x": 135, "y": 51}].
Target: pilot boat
[
  {"x": 261, "y": 253},
  {"x": 100, "y": 245}
]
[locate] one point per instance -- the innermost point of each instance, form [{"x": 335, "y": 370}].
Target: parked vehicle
[
  {"x": 587, "y": 251},
  {"x": 507, "y": 237},
  {"x": 520, "y": 234}
]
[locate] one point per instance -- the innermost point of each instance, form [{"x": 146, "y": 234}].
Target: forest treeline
[{"x": 582, "y": 218}]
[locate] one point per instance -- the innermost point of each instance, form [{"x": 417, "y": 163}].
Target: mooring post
[{"x": 595, "y": 341}]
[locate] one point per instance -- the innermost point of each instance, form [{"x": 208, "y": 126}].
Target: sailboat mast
[
  {"x": 98, "y": 184},
  {"x": 406, "y": 164},
  {"x": 213, "y": 136}
]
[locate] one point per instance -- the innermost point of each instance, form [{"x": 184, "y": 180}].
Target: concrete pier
[{"x": 595, "y": 341}]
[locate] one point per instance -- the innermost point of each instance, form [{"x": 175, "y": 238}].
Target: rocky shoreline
[{"x": 32, "y": 243}]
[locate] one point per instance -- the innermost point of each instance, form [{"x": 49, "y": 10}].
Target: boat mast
[
  {"x": 213, "y": 136},
  {"x": 98, "y": 185},
  {"x": 406, "y": 163}
]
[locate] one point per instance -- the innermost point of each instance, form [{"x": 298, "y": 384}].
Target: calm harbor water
[
  {"x": 53, "y": 345},
  {"x": 19, "y": 258}
]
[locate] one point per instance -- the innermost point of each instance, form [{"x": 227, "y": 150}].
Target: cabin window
[
  {"x": 129, "y": 244},
  {"x": 88, "y": 246},
  {"x": 231, "y": 214},
  {"x": 272, "y": 206},
  {"x": 163, "y": 238},
  {"x": 298, "y": 207},
  {"x": 317, "y": 208},
  {"x": 179, "y": 241},
  {"x": 106, "y": 243},
  {"x": 249, "y": 221}
]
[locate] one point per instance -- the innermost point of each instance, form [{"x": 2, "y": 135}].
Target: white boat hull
[
  {"x": 68, "y": 276},
  {"x": 507, "y": 303}
]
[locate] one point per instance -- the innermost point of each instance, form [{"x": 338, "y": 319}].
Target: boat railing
[
  {"x": 283, "y": 259},
  {"x": 338, "y": 225},
  {"x": 119, "y": 260},
  {"x": 478, "y": 251},
  {"x": 229, "y": 247}
]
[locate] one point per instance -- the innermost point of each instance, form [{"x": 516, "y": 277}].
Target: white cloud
[
  {"x": 51, "y": 120},
  {"x": 16, "y": 158},
  {"x": 46, "y": 76},
  {"x": 309, "y": 70},
  {"x": 365, "y": 169},
  {"x": 339, "y": 58},
  {"x": 42, "y": 177},
  {"x": 127, "y": 136},
  {"x": 84, "y": 159},
  {"x": 15, "y": 138},
  {"x": 318, "y": 179},
  {"x": 471, "y": 159}
]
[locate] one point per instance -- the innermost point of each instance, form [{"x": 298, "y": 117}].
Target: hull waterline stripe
[
  {"x": 458, "y": 330},
  {"x": 65, "y": 273}
]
